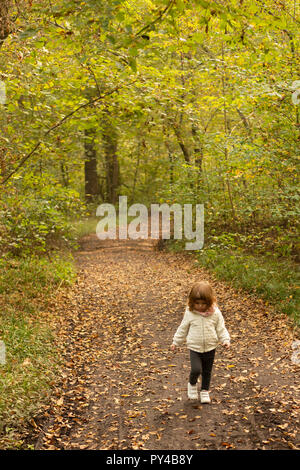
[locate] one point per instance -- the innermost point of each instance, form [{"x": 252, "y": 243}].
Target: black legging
[{"x": 201, "y": 363}]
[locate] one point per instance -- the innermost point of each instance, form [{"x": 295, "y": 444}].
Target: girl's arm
[
  {"x": 221, "y": 329},
  {"x": 182, "y": 330}
]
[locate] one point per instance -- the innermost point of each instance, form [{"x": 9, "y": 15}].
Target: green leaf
[
  {"x": 203, "y": 3},
  {"x": 132, "y": 63},
  {"x": 28, "y": 33}
]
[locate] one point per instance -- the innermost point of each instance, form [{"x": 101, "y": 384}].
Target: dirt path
[{"x": 122, "y": 388}]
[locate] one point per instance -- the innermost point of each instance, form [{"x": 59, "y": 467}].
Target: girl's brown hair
[{"x": 201, "y": 291}]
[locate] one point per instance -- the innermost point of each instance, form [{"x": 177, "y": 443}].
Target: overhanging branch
[
  {"x": 55, "y": 126},
  {"x": 156, "y": 20}
]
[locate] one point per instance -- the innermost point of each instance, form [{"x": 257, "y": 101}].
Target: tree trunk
[
  {"x": 141, "y": 143},
  {"x": 171, "y": 160},
  {"x": 182, "y": 145},
  {"x": 64, "y": 174},
  {"x": 227, "y": 132},
  {"x": 110, "y": 143},
  {"x": 5, "y": 24},
  {"x": 198, "y": 157},
  {"x": 92, "y": 187}
]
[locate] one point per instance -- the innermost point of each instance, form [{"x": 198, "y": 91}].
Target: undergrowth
[
  {"x": 26, "y": 288},
  {"x": 276, "y": 281}
]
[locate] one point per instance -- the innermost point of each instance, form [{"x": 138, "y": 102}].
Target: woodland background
[{"x": 162, "y": 101}]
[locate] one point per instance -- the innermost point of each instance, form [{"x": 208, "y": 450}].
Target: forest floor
[{"x": 123, "y": 388}]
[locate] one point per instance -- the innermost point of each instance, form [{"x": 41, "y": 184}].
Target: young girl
[{"x": 203, "y": 328}]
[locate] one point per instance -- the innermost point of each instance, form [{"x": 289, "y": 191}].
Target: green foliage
[
  {"x": 26, "y": 287},
  {"x": 38, "y": 220},
  {"x": 198, "y": 96},
  {"x": 275, "y": 281}
]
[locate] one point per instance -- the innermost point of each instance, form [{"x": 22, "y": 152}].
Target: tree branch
[
  {"x": 161, "y": 14},
  {"x": 55, "y": 126}
]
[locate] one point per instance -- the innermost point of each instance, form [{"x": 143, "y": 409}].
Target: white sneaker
[
  {"x": 204, "y": 396},
  {"x": 192, "y": 392}
]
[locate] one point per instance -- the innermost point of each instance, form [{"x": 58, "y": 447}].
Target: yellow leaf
[{"x": 60, "y": 402}]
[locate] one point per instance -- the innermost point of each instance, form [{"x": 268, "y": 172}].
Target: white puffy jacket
[{"x": 202, "y": 333}]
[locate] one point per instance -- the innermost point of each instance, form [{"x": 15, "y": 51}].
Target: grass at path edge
[
  {"x": 275, "y": 281},
  {"x": 27, "y": 286}
]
